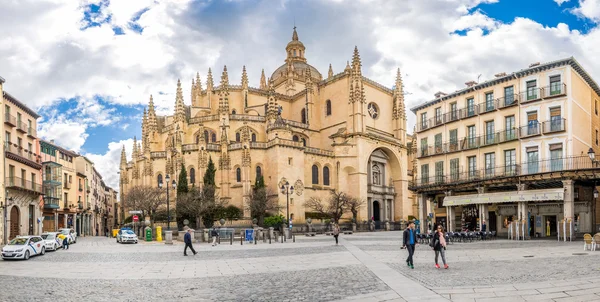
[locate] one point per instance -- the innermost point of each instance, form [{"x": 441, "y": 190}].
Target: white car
[
  {"x": 52, "y": 241},
  {"x": 70, "y": 233},
  {"x": 125, "y": 235},
  {"x": 24, "y": 247}
]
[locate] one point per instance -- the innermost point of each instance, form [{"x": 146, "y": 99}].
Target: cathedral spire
[
  {"x": 209, "y": 82},
  {"x": 144, "y": 125},
  {"x": 272, "y": 107},
  {"x": 263, "y": 81},
  {"x": 123, "y": 158},
  {"x": 193, "y": 93},
  {"x": 198, "y": 83},
  {"x": 295, "y": 35},
  {"x": 356, "y": 64},
  {"x": 244, "y": 78},
  {"x": 348, "y": 69},
  {"x": 330, "y": 72},
  {"x": 179, "y": 106},
  {"x": 308, "y": 79},
  {"x": 224, "y": 92},
  {"x": 152, "y": 125},
  {"x": 134, "y": 155},
  {"x": 398, "y": 106}
]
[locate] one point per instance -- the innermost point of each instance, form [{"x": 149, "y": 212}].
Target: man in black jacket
[
  {"x": 409, "y": 240},
  {"x": 187, "y": 239}
]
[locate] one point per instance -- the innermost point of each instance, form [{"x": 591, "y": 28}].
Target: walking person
[
  {"x": 336, "y": 232},
  {"x": 214, "y": 234},
  {"x": 439, "y": 246},
  {"x": 65, "y": 243},
  {"x": 409, "y": 242},
  {"x": 187, "y": 239}
]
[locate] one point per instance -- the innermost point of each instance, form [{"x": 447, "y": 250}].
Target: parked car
[
  {"x": 126, "y": 235},
  {"x": 23, "y": 247},
  {"x": 52, "y": 241},
  {"x": 70, "y": 233}
]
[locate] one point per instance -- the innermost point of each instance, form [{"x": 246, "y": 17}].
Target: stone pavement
[{"x": 364, "y": 267}]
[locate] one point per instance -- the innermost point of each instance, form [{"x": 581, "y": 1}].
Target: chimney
[
  {"x": 499, "y": 75},
  {"x": 52, "y": 141},
  {"x": 440, "y": 94},
  {"x": 470, "y": 83},
  {"x": 534, "y": 64}
]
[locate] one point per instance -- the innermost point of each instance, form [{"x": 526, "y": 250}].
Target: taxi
[
  {"x": 52, "y": 240},
  {"x": 23, "y": 247}
]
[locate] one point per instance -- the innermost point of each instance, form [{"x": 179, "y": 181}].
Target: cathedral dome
[
  {"x": 299, "y": 68},
  {"x": 296, "y": 56}
]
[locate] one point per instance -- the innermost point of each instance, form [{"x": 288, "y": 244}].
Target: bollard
[
  {"x": 231, "y": 239},
  {"x": 269, "y": 238},
  {"x": 241, "y": 238},
  {"x": 254, "y": 239},
  {"x": 294, "y": 238},
  {"x": 282, "y": 238},
  {"x": 219, "y": 239},
  {"x": 264, "y": 237}
]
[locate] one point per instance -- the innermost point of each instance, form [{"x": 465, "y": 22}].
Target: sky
[{"x": 88, "y": 67}]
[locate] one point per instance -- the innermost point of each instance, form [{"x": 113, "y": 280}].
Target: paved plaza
[{"x": 364, "y": 267}]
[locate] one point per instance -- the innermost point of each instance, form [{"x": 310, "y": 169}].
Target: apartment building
[
  {"x": 62, "y": 205},
  {"x": 83, "y": 168},
  {"x": 22, "y": 167},
  {"x": 518, "y": 147}
]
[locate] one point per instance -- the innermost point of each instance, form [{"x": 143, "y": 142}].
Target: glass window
[
  {"x": 315, "y": 175},
  {"x": 238, "y": 175},
  {"x": 424, "y": 120},
  {"x": 438, "y": 115},
  {"x": 510, "y": 162},
  {"x": 471, "y": 137},
  {"x": 453, "y": 111},
  {"x": 532, "y": 123},
  {"x": 325, "y": 176},
  {"x": 532, "y": 162},
  {"x": 555, "y": 119},
  {"x": 509, "y": 95},
  {"x": 253, "y": 137},
  {"x": 205, "y": 136},
  {"x": 438, "y": 143},
  {"x": 303, "y": 115},
  {"x": 532, "y": 92},
  {"x": 489, "y": 101},
  {"x": 439, "y": 171},
  {"x": 425, "y": 173},
  {"x": 490, "y": 164},
  {"x": 159, "y": 179},
  {"x": 328, "y": 107},
  {"x": 470, "y": 107},
  {"x": 472, "y": 160},
  {"x": 556, "y": 158},
  {"x": 489, "y": 132},
  {"x": 424, "y": 147},
  {"x": 453, "y": 140},
  {"x": 555, "y": 85},
  {"x": 192, "y": 175},
  {"x": 258, "y": 172},
  {"x": 237, "y": 137},
  {"x": 295, "y": 138},
  {"x": 454, "y": 169},
  {"x": 214, "y": 137},
  {"x": 509, "y": 127}
]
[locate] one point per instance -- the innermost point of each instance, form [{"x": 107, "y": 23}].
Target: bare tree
[
  {"x": 145, "y": 198},
  {"x": 201, "y": 203},
  {"x": 335, "y": 206},
  {"x": 260, "y": 202},
  {"x": 354, "y": 205}
]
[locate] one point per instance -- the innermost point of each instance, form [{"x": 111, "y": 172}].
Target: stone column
[
  {"x": 383, "y": 209},
  {"x": 56, "y": 221},
  {"x": 393, "y": 209},
  {"x": 569, "y": 199},
  {"x": 421, "y": 207}
]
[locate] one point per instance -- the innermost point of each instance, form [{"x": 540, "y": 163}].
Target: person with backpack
[
  {"x": 409, "y": 241},
  {"x": 438, "y": 244}
]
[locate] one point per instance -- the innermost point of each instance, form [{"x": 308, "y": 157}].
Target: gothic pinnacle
[
  {"x": 123, "y": 157},
  {"x": 209, "y": 81},
  {"x": 224, "y": 78},
  {"x": 330, "y": 72},
  {"x": 263, "y": 81},
  {"x": 244, "y": 78}
]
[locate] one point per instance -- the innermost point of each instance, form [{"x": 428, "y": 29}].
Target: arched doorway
[
  {"x": 15, "y": 221},
  {"x": 376, "y": 211},
  {"x": 384, "y": 181}
]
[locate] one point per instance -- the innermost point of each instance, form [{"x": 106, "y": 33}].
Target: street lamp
[
  {"x": 287, "y": 190},
  {"x": 595, "y": 193},
  {"x": 592, "y": 155},
  {"x": 168, "y": 178}
]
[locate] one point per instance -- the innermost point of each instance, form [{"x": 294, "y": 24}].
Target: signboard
[
  {"x": 135, "y": 212},
  {"x": 135, "y": 218},
  {"x": 249, "y": 235}
]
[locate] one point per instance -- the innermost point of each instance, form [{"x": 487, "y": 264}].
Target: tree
[
  {"x": 335, "y": 206},
  {"x": 232, "y": 212},
  {"x": 201, "y": 204},
  {"x": 354, "y": 205},
  {"x": 261, "y": 201},
  {"x": 145, "y": 198},
  {"x": 209, "y": 175},
  {"x": 182, "y": 185}
]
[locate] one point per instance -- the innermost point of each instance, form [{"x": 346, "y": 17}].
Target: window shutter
[
  {"x": 556, "y": 147},
  {"x": 555, "y": 111},
  {"x": 555, "y": 78},
  {"x": 531, "y": 149}
]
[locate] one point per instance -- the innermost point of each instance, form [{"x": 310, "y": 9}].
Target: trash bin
[
  {"x": 158, "y": 233},
  {"x": 115, "y": 232},
  {"x": 148, "y": 234}
]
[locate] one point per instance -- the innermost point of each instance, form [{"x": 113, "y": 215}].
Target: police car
[
  {"x": 52, "y": 241},
  {"x": 126, "y": 235},
  {"x": 24, "y": 247}
]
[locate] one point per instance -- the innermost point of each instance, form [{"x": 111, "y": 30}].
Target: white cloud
[
  {"x": 589, "y": 9},
  {"x": 560, "y": 2},
  {"x": 108, "y": 163},
  {"x": 68, "y": 134}
]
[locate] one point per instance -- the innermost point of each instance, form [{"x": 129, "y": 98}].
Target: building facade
[
  {"x": 514, "y": 148},
  {"x": 22, "y": 167},
  {"x": 340, "y": 131},
  {"x": 63, "y": 206}
]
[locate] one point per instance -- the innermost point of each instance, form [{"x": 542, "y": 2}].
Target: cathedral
[{"x": 341, "y": 131}]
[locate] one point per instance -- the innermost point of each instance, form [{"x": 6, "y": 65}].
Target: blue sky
[{"x": 90, "y": 66}]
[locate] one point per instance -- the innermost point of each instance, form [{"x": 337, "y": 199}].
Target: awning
[{"x": 516, "y": 196}]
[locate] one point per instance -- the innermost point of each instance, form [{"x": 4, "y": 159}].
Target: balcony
[
  {"x": 508, "y": 170},
  {"x": 80, "y": 189},
  {"x": 507, "y": 135},
  {"x": 469, "y": 112},
  {"x": 557, "y": 125},
  {"x": 31, "y": 132},
  {"x": 469, "y": 143},
  {"x": 51, "y": 202},
  {"x": 10, "y": 120},
  {"x": 507, "y": 101},
  {"x": 486, "y": 106},
  {"x": 423, "y": 125},
  {"x": 534, "y": 129},
  {"x": 67, "y": 185},
  {"x": 531, "y": 95},
  {"x": 451, "y": 116},
  {"x": 22, "y": 184},
  {"x": 21, "y": 127},
  {"x": 554, "y": 90}
]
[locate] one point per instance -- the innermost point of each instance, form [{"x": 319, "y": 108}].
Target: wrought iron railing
[
  {"x": 507, "y": 101},
  {"x": 556, "y": 125},
  {"x": 533, "y": 129},
  {"x": 18, "y": 182},
  {"x": 554, "y": 90},
  {"x": 9, "y": 119}
]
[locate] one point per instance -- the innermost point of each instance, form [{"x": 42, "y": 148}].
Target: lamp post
[
  {"x": 287, "y": 190},
  {"x": 167, "y": 179},
  {"x": 592, "y": 156},
  {"x": 4, "y": 207}
]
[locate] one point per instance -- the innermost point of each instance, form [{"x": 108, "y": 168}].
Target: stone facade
[{"x": 342, "y": 132}]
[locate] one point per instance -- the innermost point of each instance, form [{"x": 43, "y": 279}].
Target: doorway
[
  {"x": 492, "y": 223},
  {"x": 531, "y": 226},
  {"x": 552, "y": 220},
  {"x": 31, "y": 218},
  {"x": 376, "y": 214},
  {"x": 15, "y": 221}
]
